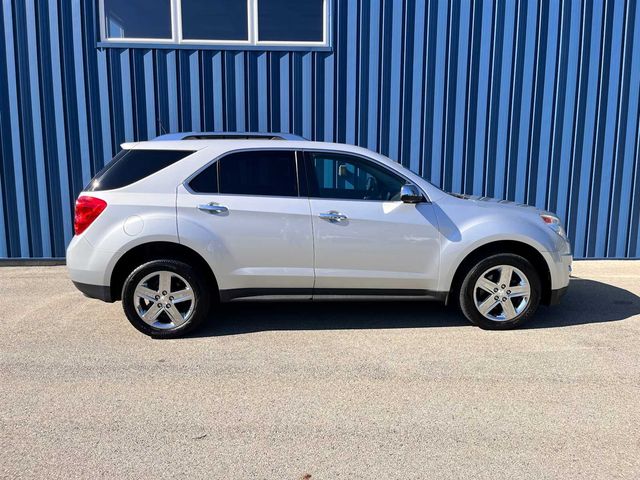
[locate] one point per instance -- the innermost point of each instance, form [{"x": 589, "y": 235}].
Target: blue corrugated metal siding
[{"x": 532, "y": 101}]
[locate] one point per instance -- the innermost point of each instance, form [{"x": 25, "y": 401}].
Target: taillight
[{"x": 87, "y": 210}]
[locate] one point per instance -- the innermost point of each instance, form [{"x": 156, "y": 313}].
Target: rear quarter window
[{"x": 129, "y": 166}]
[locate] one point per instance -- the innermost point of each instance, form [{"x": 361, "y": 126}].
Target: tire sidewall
[
  {"x": 201, "y": 300},
  {"x": 467, "y": 301}
]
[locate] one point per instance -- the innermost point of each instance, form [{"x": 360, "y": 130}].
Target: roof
[
  {"x": 225, "y": 145},
  {"x": 229, "y": 136}
]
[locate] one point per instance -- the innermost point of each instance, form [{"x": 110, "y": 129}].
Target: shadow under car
[{"x": 587, "y": 301}]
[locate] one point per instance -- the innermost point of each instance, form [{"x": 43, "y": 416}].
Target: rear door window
[
  {"x": 206, "y": 181},
  {"x": 129, "y": 166},
  {"x": 258, "y": 172}
]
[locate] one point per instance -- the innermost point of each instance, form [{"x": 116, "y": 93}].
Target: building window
[
  {"x": 215, "y": 22},
  {"x": 290, "y": 20},
  {"x": 122, "y": 19}
]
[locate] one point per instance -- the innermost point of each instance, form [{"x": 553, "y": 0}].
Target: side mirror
[{"x": 410, "y": 194}]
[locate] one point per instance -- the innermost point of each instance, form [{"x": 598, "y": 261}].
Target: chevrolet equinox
[{"x": 173, "y": 226}]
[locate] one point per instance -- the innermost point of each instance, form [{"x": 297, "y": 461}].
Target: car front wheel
[
  {"x": 165, "y": 299},
  {"x": 500, "y": 292}
]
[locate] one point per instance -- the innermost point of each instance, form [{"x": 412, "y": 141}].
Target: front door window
[{"x": 350, "y": 178}]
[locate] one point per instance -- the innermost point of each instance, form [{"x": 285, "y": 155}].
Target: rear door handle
[
  {"x": 334, "y": 217},
  {"x": 213, "y": 208}
]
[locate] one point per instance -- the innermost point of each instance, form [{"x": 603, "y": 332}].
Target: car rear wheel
[
  {"x": 500, "y": 292},
  {"x": 165, "y": 299}
]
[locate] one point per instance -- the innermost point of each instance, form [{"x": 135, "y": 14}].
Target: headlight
[{"x": 554, "y": 223}]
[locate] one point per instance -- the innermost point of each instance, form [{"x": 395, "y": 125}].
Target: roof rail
[{"x": 229, "y": 136}]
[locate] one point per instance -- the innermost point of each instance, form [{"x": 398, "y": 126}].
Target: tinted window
[
  {"x": 137, "y": 18},
  {"x": 129, "y": 166},
  {"x": 214, "y": 20},
  {"x": 346, "y": 177},
  {"x": 290, "y": 20},
  {"x": 206, "y": 181},
  {"x": 259, "y": 173}
]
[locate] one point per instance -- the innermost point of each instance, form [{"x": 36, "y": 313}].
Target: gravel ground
[{"x": 342, "y": 390}]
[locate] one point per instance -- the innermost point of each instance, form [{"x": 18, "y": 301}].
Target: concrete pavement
[{"x": 332, "y": 390}]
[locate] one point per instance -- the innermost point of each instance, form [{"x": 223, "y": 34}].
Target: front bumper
[
  {"x": 560, "y": 273},
  {"x": 559, "y": 268},
  {"x": 556, "y": 295}
]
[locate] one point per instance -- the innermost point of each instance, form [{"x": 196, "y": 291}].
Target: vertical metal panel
[
  {"x": 57, "y": 140},
  {"x": 623, "y": 218},
  {"x": 435, "y": 127},
  {"x": 519, "y": 99},
  {"x": 12, "y": 176}
]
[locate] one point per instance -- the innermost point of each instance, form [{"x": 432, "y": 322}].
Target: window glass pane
[
  {"x": 138, "y": 18},
  {"x": 206, "y": 181},
  {"x": 214, "y": 20},
  {"x": 129, "y": 166},
  {"x": 345, "y": 177},
  {"x": 290, "y": 20},
  {"x": 259, "y": 173}
]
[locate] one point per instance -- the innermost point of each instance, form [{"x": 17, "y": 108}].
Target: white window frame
[{"x": 252, "y": 30}]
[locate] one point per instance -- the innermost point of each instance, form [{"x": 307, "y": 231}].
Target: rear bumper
[
  {"x": 100, "y": 292},
  {"x": 88, "y": 268},
  {"x": 87, "y": 264}
]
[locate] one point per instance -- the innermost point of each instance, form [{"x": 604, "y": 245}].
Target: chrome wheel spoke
[
  {"x": 506, "y": 273},
  {"x": 182, "y": 295},
  {"x": 175, "y": 316},
  {"x": 146, "y": 293},
  {"x": 164, "y": 282},
  {"x": 508, "y": 309},
  {"x": 151, "y": 314},
  {"x": 489, "y": 304},
  {"x": 519, "y": 291},
  {"x": 487, "y": 285}
]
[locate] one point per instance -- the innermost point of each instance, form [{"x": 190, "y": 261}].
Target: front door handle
[
  {"x": 213, "y": 208},
  {"x": 334, "y": 217}
]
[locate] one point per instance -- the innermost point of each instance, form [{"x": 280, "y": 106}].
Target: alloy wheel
[
  {"x": 502, "y": 293},
  {"x": 164, "y": 300}
]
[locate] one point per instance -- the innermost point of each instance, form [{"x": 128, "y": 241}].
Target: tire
[
  {"x": 147, "y": 292},
  {"x": 516, "y": 302}
]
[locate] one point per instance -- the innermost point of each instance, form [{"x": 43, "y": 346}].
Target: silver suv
[{"x": 172, "y": 227}]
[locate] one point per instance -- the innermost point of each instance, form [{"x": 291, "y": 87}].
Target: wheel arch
[
  {"x": 504, "y": 246},
  {"x": 156, "y": 250}
]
